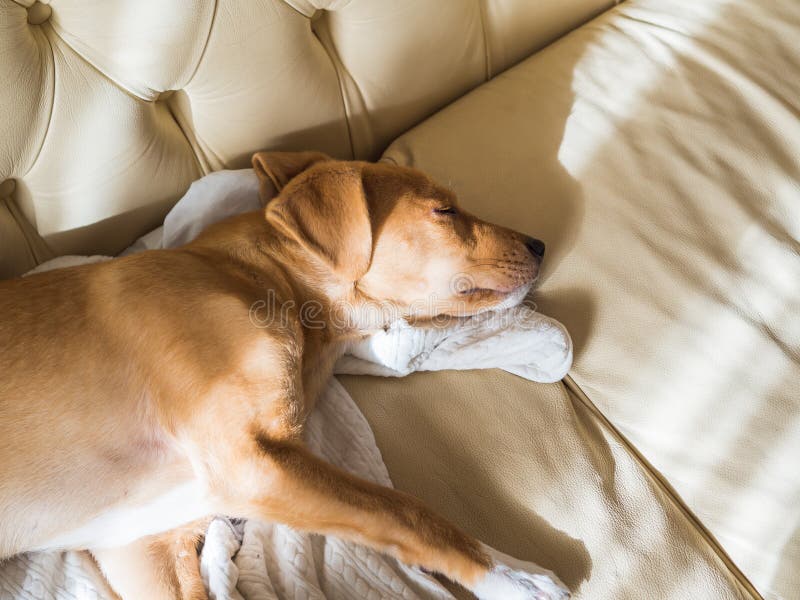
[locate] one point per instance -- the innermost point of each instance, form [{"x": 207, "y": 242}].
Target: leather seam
[
  {"x": 58, "y": 32},
  {"x": 48, "y": 26},
  {"x": 335, "y": 64},
  {"x": 52, "y": 103},
  {"x": 662, "y": 483},
  {"x": 487, "y": 64},
  {"x": 205, "y": 45}
]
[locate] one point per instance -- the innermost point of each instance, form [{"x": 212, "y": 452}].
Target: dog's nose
[{"x": 535, "y": 247}]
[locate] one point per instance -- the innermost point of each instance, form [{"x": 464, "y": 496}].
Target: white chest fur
[{"x": 122, "y": 525}]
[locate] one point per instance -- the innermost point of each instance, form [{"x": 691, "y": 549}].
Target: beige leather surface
[
  {"x": 657, "y": 152},
  {"x": 111, "y": 108},
  {"x": 531, "y": 470}
]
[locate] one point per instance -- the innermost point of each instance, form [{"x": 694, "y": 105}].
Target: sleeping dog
[{"x": 138, "y": 396}]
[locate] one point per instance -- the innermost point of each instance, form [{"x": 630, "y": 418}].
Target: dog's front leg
[{"x": 302, "y": 491}]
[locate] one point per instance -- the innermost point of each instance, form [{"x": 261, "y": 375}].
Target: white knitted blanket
[{"x": 260, "y": 561}]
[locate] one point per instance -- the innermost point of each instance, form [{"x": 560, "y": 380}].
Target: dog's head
[{"x": 395, "y": 237}]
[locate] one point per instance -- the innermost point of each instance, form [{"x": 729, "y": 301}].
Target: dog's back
[{"x": 85, "y": 345}]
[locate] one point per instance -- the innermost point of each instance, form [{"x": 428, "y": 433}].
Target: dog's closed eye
[{"x": 446, "y": 210}]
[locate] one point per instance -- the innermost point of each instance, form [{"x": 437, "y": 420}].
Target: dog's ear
[
  {"x": 276, "y": 169},
  {"x": 329, "y": 217}
]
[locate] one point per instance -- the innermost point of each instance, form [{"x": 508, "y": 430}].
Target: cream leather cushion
[
  {"x": 657, "y": 152},
  {"x": 534, "y": 471},
  {"x": 112, "y": 108}
]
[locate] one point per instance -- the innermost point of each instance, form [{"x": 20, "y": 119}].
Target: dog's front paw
[{"x": 513, "y": 579}]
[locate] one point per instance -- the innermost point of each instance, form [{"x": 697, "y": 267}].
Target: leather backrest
[{"x": 110, "y": 108}]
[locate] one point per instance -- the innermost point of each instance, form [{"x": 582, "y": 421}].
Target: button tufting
[
  {"x": 7, "y": 188},
  {"x": 38, "y": 13},
  {"x": 165, "y": 95}
]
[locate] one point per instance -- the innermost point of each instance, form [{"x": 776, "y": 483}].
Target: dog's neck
[
  {"x": 290, "y": 282},
  {"x": 330, "y": 306}
]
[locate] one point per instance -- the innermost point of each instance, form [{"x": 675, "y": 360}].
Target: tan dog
[{"x": 138, "y": 395}]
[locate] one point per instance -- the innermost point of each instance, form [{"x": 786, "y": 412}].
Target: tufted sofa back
[{"x": 110, "y": 108}]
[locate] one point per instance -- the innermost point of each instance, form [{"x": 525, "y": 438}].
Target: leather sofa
[{"x": 653, "y": 145}]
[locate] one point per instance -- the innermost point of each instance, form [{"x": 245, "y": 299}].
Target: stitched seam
[
  {"x": 91, "y": 65},
  {"x": 205, "y": 45},
  {"x": 666, "y": 487},
  {"x": 52, "y": 103},
  {"x": 340, "y": 81},
  {"x": 487, "y": 66},
  {"x": 117, "y": 84}
]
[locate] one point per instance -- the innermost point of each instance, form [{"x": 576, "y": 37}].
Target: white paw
[{"x": 513, "y": 579}]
